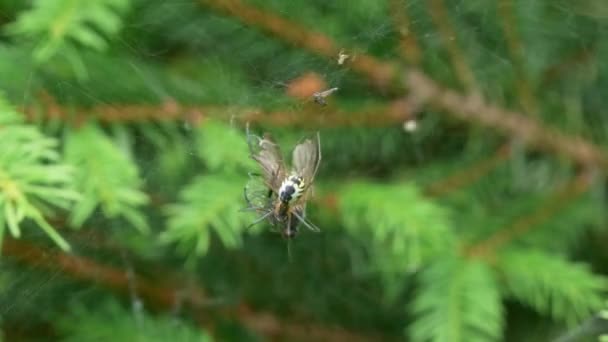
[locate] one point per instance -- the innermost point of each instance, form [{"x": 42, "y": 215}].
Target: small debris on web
[
  {"x": 320, "y": 96},
  {"x": 342, "y": 57},
  {"x": 410, "y": 125}
]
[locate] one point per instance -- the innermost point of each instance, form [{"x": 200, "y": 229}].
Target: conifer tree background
[{"x": 461, "y": 195}]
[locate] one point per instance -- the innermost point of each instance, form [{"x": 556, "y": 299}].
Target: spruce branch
[
  {"x": 403, "y": 237},
  {"x": 424, "y": 89},
  {"x": 212, "y": 201},
  {"x": 107, "y": 177},
  {"x": 380, "y": 73},
  {"x": 393, "y": 113},
  {"x": 207, "y": 204},
  {"x": 515, "y": 49},
  {"x": 551, "y": 285},
  {"x": 567, "y": 65},
  {"x": 109, "y": 321},
  {"x": 211, "y": 142},
  {"x": 556, "y": 202},
  {"x": 409, "y": 48},
  {"x": 530, "y": 131},
  {"x": 59, "y": 26},
  {"x": 83, "y": 269},
  {"x": 464, "y": 73},
  {"x": 33, "y": 180},
  {"x": 166, "y": 296},
  {"x": 468, "y": 175},
  {"x": 458, "y": 300}
]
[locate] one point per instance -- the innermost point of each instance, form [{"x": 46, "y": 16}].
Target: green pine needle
[
  {"x": 106, "y": 177},
  {"x": 223, "y": 148},
  {"x": 111, "y": 322},
  {"x": 458, "y": 300},
  {"x": 61, "y": 26},
  {"x": 552, "y": 285},
  {"x": 402, "y": 225},
  {"x": 32, "y": 179},
  {"x": 210, "y": 203}
]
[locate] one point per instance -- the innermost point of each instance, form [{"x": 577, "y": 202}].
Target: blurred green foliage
[
  {"x": 105, "y": 176},
  {"x": 467, "y": 287},
  {"x": 33, "y": 181},
  {"x": 552, "y": 285},
  {"x": 125, "y": 326},
  {"x": 392, "y": 261},
  {"x": 59, "y": 27}
]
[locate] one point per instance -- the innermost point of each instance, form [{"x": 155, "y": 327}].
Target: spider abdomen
[{"x": 291, "y": 189}]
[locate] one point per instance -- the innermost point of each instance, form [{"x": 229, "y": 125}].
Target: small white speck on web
[
  {"x": 342, "y": 57},
  {"x": 410, "y": 125},
  {"x": 137, "y": 306}
]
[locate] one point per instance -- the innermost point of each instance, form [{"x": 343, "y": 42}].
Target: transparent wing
[
  {"x": 268, "y": 155},
  {"x": 257, "y": 195},
  {"x": 307, "y": 157},
  {"x": 259, "y": 200}
]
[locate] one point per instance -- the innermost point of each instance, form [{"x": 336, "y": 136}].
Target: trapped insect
[
  {"x": 281, "y": 197},
  {"x": 320, "y": 96}
]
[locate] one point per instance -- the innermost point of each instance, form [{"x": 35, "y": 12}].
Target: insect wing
[
  {"x": 306, "y": 161},
  {"x": 268, "y": 155},
  {"x": 257, "y": 194},
  {"x": 259, "y": 200},
  {"x": 307, "y": 157}
]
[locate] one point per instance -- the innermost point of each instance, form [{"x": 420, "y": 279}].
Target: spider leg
[
  {"x": 308, "y": 225},
  {"x": 245, "y": 196},
  {"x": 260, "y": 219}
]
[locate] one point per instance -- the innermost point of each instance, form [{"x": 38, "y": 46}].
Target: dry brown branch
[
  {"x": 166, "y": 296},
  {"x": 464, "y": 73},
  {"x": 515, "y": 48},
  {"x": 512, "y": 124},
  {"x": 408, "y": 44},
  {"x": 308, "y": 115},
  {"x": 556, "y": 202},
  {"x": 468, "y": 108},
  {"x": 84, "y": 269},
  {"x": 467, "y": 175},
  {"x": 562, "y": 67},
  {"x": 382, "y": 74},
  {"x": 269, "y": 325}
]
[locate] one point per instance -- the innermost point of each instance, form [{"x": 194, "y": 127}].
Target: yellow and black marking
[{"x": 291, "y": 189}]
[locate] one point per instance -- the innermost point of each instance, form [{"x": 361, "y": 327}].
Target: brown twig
[
  {"x": 528, "y": 130},
  {"x": 523, "y": 225},
  {"x": 308, "y": 115},
  {"x": 515, "y": 48},
  {"x": 84, "y": 269},
  {"x": 408, "y": 44},
  {"x": 557, "y": 70},
  {"x": 382, "y": 74},
  {"x": 464, "y": 73},
  {"x": 166, "y": 296},
  {"x": 468, "y": 108},
  {"x": 468, "y": 175}
]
